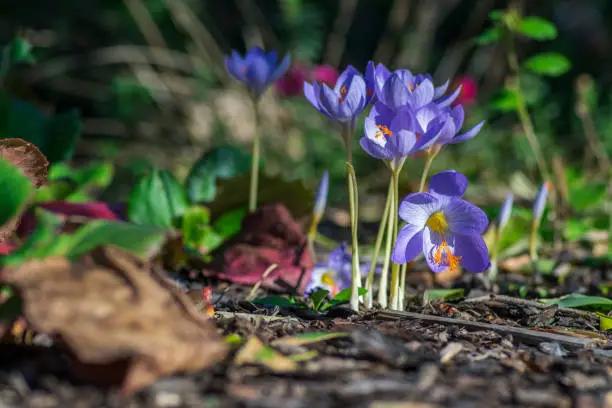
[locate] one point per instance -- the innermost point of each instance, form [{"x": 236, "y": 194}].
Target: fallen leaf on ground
[
  {"x": 268, "y": 236},
  {"x": 303, "y": 339},
  {"x": 117, "y": 311},
  {"x": 27, "y": 157},
  {"x": 255, "y": 352}
]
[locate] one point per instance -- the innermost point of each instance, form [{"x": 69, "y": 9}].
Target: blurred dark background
[{"x": 148, "y": 78}]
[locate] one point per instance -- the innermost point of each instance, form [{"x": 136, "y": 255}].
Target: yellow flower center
[
  {"x": 328, "y": 279},
  {"x": 438, "y": 223}
]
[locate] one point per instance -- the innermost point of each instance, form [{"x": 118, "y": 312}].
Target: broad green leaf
[
  {"x": 221, "y": 163},
  {"x": 505, "y": 101},
  {"x": 490, "y": 36},
  {"x": 233, "y": 194},
  {"x": 445, "y": 294},
  {"x": 580, "y": 301},
  {"x": 55, "y": 136},
  {"x": 228, "y": 224},
  {"x": 303, "y": 339},
  {"x": 549, "y": 64},
  {"x": 318, "y": 297},
  {"x": 16, "y": 190},
  {"x": 195, "y": 221},
  {"x": 140, "y": 240},
  {"x": 575, "y": 228},
  {"x": 157, "y": 200},
  {"x": 344, "y": 296},
  {"x": 66, "y": 183},
  {"x": 537, "y": 28},
  {"x": 605, "y": 322},
  {"x": 274, "y": 300}
]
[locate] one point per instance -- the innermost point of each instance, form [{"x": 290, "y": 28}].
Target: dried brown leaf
[
  {"x": 106, "y": 314},
  {"x": 27, "y": 157}
]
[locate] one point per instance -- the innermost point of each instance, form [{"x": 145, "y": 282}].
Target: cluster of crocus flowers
[{"x": 409, "y": 115}]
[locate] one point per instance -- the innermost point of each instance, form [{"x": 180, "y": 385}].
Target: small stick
[
  {"x": 528, "y": 336},
  {"x": 267, "y": 272},
  {"x": 523, "y": 302}
]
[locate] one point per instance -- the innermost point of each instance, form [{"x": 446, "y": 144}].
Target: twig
[
  {"x": 532, "y": 337},
  {"x": 258, "y": 284},
  {"x": 235, "y": 315},
  {"x": 523, "y": 302}
]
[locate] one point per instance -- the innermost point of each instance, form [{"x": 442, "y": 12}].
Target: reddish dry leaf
[
  {"x": 268, "y": 236},
  {"x": 117, "y": 311}
]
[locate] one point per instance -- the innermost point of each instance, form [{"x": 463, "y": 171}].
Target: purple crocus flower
[
  {"x": 257, "y": 69},
  {"x": 446, "y": 228},
  {"x": 343, "y": 103},
  {"x": 321, "y": 196},
  {"x": 505, "y": 211},
  {"x": 540, "y": 202},
  {"x": 393, "y": 135},
  {"x": 335, "y": 274},
  {"x": 458, "y": 115}
]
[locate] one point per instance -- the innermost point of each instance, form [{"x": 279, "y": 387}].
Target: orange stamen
[
  {"x": 343, "y": 93},
  {"x": 206, "y": 297},
  {"x": 443, "y": 251},
  {"x": 383, "y": 131}
]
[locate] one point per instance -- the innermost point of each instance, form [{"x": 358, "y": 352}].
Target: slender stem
[
  {"x": 255, "y": 161},
  {"x": 492, "y": 275},
  {"x": 379, "y": 237},
  {"x": 394, "y": 299},
  {"x": 312, "y": 233},
  {"x": 430, "y": 157},
  {"x": 384, "y": 273},
  {"x": 353, "y": 203},
  {"x": 402, "y": 292}
]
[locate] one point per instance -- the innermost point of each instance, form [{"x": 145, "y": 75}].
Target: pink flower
[
  {"x": 469, "y": 91},
  {"x": 292, "y": 83},
  {"x": 325, "y": 74}
]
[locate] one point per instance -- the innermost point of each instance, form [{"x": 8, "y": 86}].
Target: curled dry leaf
[
  {"x": 27, "y": 157},
  {"x": 117, "y": 312},
  {"x": 34, "y": 165}
]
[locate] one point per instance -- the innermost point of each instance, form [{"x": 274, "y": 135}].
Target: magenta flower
[
  {"x": 292, "y": 82},
  {"x": 469, "y": 91},
  {"x": 325, "y": 74},
  {"x": 446, "y": 228}
]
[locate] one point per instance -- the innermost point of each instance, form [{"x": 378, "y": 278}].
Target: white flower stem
[
  {"x": 394, "y": 299},
  {"x": 255, "y": 159},
  {"x": 379, "y": 237},
  {"x": 353, "y": 204}
]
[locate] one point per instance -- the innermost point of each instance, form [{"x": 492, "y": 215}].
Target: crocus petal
[
  {"x": 309, "y": 93},
  {"x": 425, "y": 115},
  {"x": 356, "y": 95},
  {"x": 328, "y": 100},
  {"x": 374, "y": 149},
  {"x": 257, "y": 75},
  {"x": 371, "y": 131},
  {"x": 403, "y": 139},
  {"x": 473, "y": 252},
  {"x": 345, "y": 76},
  {"x": 467, "y": 135},
  {"x": 337, "y": 258},
  {"x": 447, "y": 100},
  {"x": 395, "y": 93},
  {"x": 540, "y": 202},
  {"x": 458, "y": 115},
  {"x": 370, "y": 79},
  {"x": 423, "y": 94},
  {"x": 438, "y": 132},
  {"x": 416, "y": 208},
  {"x": 381, "y": 76},
  {"x": 431, "y": 242},
  {"x": 321, "y": 196},
  {"x": 440, "y": 90},
  {"x": 449, "y": 183},
  {"x": 281, "y": 69},
  {"x": 465, "y": 218},
  {"x": 408, "y": 245},
  {"x": 505, "y": 211},
  {"x": 235, "y": 67}
]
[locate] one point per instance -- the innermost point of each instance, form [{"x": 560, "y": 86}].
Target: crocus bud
[
  {"x": 505, "y": 211},
  {"x": 540, "y": 203},
  {"x": 321, "y": 197}
]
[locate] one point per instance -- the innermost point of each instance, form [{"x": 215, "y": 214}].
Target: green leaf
[
  {"x": 549, "y": 64},
  {"x": 505, "y": 101},
  {"x": 229, "y": 223},
  {"x": 140, "y": 240},
  {"x": 157, "y": 200},
  {"x": 490, "y": 36},
  {"x": 221, "y": 163},
  {"x": 19, "y": 50},
  {"x": 496, "y": 15},
  {"x": 344, "y": 296},
  {"x": 580, "y": 301},
  {"x": 575, "y": 228},
  {"x": 537, "y": 28},
  {"x": 318, "y": 297},
  {"x": 233, "y": 194},
  {"x": 197, "y": 233},
  {"x": 55, "y": 136},
  {"x": 303, "y": 339},
  {"x": 587, "y": 196},
  {"x": 275, "y": 301},
  {"x": 445, "y": 294},
  {"x": 66, "y": 183},
  {"x": 16, "y": 190},
  {"x": 605, "y": 322}
]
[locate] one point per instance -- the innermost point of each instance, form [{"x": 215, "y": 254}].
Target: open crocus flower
[
  {"x": 393, "y": 135},
  {"x": 446, "y": 228},
  {"x": 335, "y": 274},
  {"x": 257, "y": 69},
  {"x": 344, "y": 102},
  {"x": 458, "y": 115}
]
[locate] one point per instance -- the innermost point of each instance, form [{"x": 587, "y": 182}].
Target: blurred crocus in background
[{"x": 292, "y": 83}]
